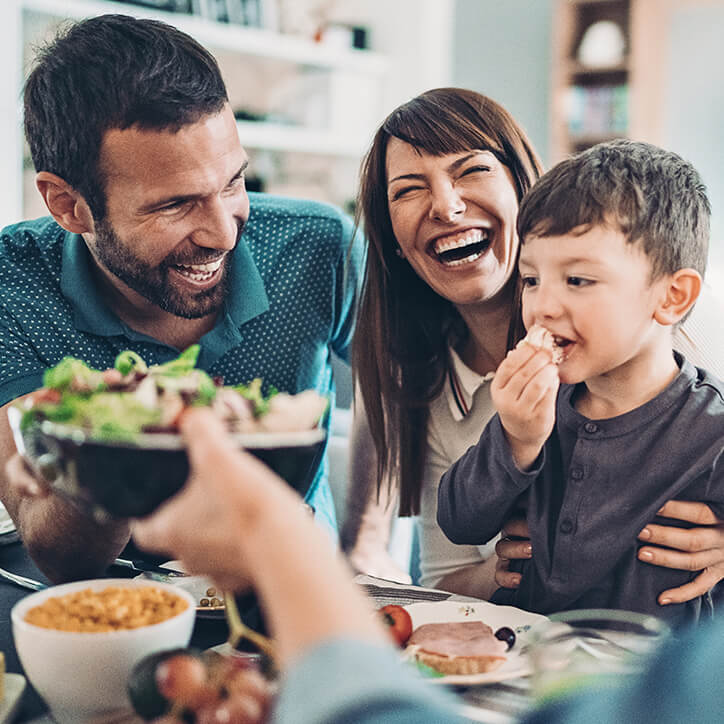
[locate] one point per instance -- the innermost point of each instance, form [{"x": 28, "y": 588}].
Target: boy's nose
[{"x": 544, "y": 304}]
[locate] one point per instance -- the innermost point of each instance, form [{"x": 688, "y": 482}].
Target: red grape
[
  {"x": 183, "y": 679},
  {"x": 235, "y": 710}
]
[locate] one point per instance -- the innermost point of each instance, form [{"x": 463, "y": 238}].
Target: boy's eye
[{"x": 579, "y": 281}]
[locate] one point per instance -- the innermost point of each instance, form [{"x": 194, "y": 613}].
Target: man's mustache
[{"x": 205, "y": 256}]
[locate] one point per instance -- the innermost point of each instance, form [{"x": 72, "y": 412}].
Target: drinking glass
[{"x": 592, "y": 647}]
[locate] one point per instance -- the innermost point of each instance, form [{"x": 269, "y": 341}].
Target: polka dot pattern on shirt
[{"x": 300, "y": 250}]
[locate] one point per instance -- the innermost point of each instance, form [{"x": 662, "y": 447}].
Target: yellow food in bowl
[{"x": 109, "y": 609}]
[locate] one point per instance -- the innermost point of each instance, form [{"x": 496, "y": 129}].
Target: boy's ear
[
  {"x": 681, "y": 290},
  {"x": 65, "y": 204}
]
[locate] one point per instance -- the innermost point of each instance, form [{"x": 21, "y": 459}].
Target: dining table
[{"x": 502, "y": 702}]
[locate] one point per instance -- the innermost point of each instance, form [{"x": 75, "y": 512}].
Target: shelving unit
[
  {"x": 319, "y": 100},
  {"x": 590, "y": 103}
]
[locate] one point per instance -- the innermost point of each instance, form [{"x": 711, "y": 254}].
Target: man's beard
[{"x": 153, "y": 283}]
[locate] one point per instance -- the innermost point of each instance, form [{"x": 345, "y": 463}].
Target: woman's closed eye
[
  {"x": 403, "y": 191},
  {"x": 475, "y": 169}
]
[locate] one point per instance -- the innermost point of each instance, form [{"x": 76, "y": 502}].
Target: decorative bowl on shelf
[{"x": 603, "y": 45}]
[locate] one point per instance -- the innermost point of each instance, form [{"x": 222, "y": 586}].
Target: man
[{"x": 153, "y": 246}]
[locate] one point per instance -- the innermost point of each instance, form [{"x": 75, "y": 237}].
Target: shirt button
[
  {"x": 566, "y": 526},
  {"x": 590, "y": 427},
  {"x": 577, "y": 474}
]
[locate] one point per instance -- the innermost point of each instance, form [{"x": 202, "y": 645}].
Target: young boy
[{"x": 613, "y": 250}]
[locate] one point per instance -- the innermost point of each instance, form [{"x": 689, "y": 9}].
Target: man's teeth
[
  {"x": 199, "y": 272},
  {"x": 462, "y": 248}
]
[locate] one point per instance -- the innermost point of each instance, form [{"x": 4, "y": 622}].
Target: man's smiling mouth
[
  {"x": 463, "y": 248},
  {"x": 199, "y": 272}
]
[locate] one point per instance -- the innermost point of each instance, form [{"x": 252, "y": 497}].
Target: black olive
[
  {"x": 143, "y": 692},
  {"x": 506, "y": 634}
]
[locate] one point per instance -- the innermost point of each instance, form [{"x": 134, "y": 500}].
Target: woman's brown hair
[{"x": 399, "y": 353}]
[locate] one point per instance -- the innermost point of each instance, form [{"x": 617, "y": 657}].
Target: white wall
[
  {"x": 503, "y": 49},
  {"x": 694, "y": 110}
]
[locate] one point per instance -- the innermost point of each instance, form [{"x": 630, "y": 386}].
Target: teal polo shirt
[{"x": 293, "y": 285}]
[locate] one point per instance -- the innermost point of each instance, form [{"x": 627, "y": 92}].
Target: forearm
[
  {"x": 367, "y": 513},
  {"x": 367, "y": 523},
  {"x": 65, "y": 544},
  {"x": 480, "y": 491},
  {"x": 294, "y": 579},
  {"x": 477, "y": 580}
]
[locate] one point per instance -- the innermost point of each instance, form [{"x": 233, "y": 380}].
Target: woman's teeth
[
  {"x": 464, "y": 248},
  {"x": 199, "y": 272}
]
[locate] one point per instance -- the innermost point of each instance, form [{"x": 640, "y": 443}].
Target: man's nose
[
  {"x": 218, "y": 224},
  {"x": 447, "y": 205}
]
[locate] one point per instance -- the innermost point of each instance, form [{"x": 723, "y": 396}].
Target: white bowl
[{"x": 81, "y": 675}]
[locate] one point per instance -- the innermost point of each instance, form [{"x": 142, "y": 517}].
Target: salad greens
[{"x": 134, "y": 397}]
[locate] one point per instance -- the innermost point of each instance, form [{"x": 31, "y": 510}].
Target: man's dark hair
[
  {"x": 653, "y": 196},
  {"x": 107, "y": 72}
]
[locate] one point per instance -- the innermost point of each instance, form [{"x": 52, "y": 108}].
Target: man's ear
[
  {"x": 681, "y": 290},
  {"x": 65, "y": 204}
]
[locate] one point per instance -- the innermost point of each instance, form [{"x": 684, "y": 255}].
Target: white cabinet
[{"x": 312, "y": 99}]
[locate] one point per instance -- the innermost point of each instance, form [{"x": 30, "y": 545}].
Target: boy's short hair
[
  {"x": 107, "y": 72},
  {"x": 653, "y": 196}
]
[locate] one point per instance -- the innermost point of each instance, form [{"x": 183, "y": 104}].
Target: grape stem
[{"x": 238, "y": 630}]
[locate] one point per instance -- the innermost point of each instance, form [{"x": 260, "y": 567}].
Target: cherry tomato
[{"x": 399, "y": 621}]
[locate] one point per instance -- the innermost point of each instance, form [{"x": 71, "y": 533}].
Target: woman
[{"x": 439, "y": 195}]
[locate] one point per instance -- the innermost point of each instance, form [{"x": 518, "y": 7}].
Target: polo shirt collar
[
  {"x": 461, "y": 385},
  {"x": 247, "y": 297}
]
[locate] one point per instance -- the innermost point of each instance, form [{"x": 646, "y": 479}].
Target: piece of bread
[
  {"x": 540, "y": 338},
  {"x": 457, "y": 648},
  {"x": 459, "y": 665}
]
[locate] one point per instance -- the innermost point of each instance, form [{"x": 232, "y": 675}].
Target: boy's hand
[{"x": 524, "y": 394}]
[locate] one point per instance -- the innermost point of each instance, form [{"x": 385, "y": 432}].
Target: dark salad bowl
[{"x": 130, "y": 479}]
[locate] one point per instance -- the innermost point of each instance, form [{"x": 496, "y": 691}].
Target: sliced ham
[{"x": 466, "y": 647}]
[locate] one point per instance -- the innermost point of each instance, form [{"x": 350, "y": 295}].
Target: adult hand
[
  {"x": 524, "y": 394},
  {"x": 204, "y": 523},
  {"x": 22, "y": 479},
  {"x": 691, "y": 549},
  {"x": 239, "y": 523},
  {"x": 514, "y": 544}
]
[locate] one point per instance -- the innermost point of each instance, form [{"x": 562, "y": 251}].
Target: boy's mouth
[
  {"x": 463, "y": 248},
  {"x": 563, "y": 346}
]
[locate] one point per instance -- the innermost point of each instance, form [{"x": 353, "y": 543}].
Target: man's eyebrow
[
  {"x": 454, "y": 166},
  {"x": 167, "y": 201}
]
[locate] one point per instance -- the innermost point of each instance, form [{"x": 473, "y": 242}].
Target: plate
[
  {"x": 516, "y": 663},
  {"x": 14, "y": 685},
  {"x": 201, "y": 588}
]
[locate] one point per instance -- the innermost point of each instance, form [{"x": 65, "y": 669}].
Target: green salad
[{"x": 132, "y": 398}]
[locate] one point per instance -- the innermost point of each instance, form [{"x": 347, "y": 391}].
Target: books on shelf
[
  {"x": 253, "y": 13},
  {"x": 597, "y": 110}
]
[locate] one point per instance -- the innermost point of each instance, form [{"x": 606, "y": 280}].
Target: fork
[{"x": 22, "y": 581}]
